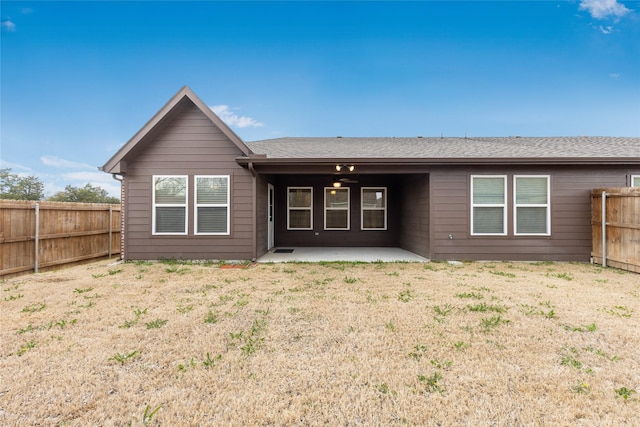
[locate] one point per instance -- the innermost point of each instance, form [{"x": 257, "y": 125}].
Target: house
[{"x": 193, "y": 189}]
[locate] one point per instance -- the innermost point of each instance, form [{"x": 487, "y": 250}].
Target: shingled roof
[{"x": 449, "y": 147}]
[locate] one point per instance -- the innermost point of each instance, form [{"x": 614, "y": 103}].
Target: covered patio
[{"x": 329, "y": 254}]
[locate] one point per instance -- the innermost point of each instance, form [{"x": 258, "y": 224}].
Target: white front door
[{"x": 270, "y": 212}]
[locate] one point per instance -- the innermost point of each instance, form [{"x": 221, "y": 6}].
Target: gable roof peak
[{"x": 117, "y": 163}]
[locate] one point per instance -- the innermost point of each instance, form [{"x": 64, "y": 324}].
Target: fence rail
[
  {"x": 617, "y": 242},
  {"x": 42, "y": 235}
]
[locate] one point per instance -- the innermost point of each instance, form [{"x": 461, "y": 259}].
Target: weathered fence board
[
  {"x": 617, "y": 244},
  {"x": 40, "y": 235}
]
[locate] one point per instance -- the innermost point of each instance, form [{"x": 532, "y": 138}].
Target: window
[
  {"x": 299, "y": 208},
  {"x": 531, "y": 199},
  {"x": 374, "y": 208},
  {"x": 212, "y": 205},
  {"x": 488, "y": 205},
  {"x": 336, "y": 208},
  {"x": 635, "y": 180},
  {"x": 170, "y": 204}
]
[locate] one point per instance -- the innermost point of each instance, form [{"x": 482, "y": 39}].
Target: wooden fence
[
  {"x": 617, "y": 244},
  {"x": 41, "y": 235}
]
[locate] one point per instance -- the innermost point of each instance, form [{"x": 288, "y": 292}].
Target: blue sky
[{"x": 78, "y": 79}]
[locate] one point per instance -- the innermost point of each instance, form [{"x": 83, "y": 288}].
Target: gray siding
[
  {"x": 414, "y": 232},
  {"x": 570, "y": 238},
  {"x": 190, "y": 144}
]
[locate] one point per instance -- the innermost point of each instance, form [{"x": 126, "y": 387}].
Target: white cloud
[
  {"x": 15, "y": 167},
  {"x": 614, "y": 75},
  {"x": 608, "y": 29},
  {"x": 8, "y": 25},
  {"x": 90, "y": 177},
  {"x": 602, "y": 9},
  {"x": 232, "y": 119},
  {"x": 57, "y": 162}
]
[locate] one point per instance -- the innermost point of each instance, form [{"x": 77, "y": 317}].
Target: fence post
[
  {"x": 37, "y": 237},
  {"x": 604, "y": 229},
  {"x": 110, "y": 227}
]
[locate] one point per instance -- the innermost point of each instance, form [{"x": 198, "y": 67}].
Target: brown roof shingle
[{"x": 449, "y": 147}]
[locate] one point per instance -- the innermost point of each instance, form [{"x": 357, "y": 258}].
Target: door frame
[{"x": 270, "y": 216}]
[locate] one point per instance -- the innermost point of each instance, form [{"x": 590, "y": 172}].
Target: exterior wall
[
  {"x": 570, "y": 238},
  {"x": 355, "y": 237},
  {"x": 190, "y": 144},
  {"x": 414, "y": 233}
]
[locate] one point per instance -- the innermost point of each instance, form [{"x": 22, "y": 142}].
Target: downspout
[
  {"x": 254, "y": 220},
  {"x": 120, "y": 178}
]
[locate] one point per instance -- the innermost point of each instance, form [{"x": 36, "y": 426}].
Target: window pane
[
  {"x": 488, "y": 190},
  {"x": 373, "y": 219},
  {"x": 300, "y": 198},
  {"x": 171, "y": 190},
  {"x": 337, "y": 198},
  {"x": 212, "y": 220},
  {"x": 212, "y": 190},
  {"x": 488, "y": 220},
  {"x": 170, "y": 220},
  {"x": 299, "y": 218},
  {"x": 337, "y": 219},
  {"x": 531, "y": 190},
  {"x": 636, "y": 181},
  {"x": 531, "y": 220},
  {"x": 373, "y": 199}
]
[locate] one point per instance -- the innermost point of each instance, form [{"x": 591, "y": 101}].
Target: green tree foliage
[
  {"x": 16, "y": 187},
  {"x": 86, "y": 194}
]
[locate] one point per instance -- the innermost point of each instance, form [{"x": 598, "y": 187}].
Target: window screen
[
  {"x": 170, "y": 204},
  {"x": 299, "y": 208},
  {"x": 212, "y": 205},
  {"x": 374, "y": 208},
  {"x": 488, "y": 203},
  {"x": 336, "y": 208},
  {"x": 531, "y": 205}
]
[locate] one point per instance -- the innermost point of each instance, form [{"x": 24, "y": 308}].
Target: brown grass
[{"x": 503, "y": 344}]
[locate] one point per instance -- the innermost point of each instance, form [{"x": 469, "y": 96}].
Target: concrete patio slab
[{"x": 340, "y": 254}]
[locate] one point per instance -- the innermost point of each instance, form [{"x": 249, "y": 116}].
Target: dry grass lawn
[{"x": 503, "y": 344}]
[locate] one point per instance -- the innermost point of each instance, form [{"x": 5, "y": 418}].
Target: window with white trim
[
  {"x": 531, "y": 205},
  {"x": 299, "y": 208},
  {"x": 488, "y": 205},
  {"x": 170, "y": 195},
  {"x": 336, "y": 208},
  {"x": 212, "y": 205},
  {"x": 635, "y": 180},
  {"x": 373, "y": 208}
]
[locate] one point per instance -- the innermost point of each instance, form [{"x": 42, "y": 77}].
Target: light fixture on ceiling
[
  {"x": 350, "y": 168},
  {"x": 337, "y": 184}
]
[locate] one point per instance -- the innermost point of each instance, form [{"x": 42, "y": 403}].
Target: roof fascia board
[
  {"x": 443, "y": 161},
  {"x": 113, "y": 164}
]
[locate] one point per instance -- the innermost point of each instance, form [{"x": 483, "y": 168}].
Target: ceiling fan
[{"x": 344, "y": 180}]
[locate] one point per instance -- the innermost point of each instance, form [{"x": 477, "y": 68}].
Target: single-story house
[{"x": 193, "y": 189}]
